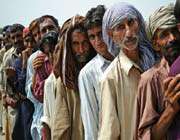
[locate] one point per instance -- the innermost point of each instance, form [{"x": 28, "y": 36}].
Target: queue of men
[{"x": 108, "y": 75}]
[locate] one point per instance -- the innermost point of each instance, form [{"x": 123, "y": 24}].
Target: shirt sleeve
[
  {"x": 46, "y": 112},
  {"x": 148, "y": 107}
]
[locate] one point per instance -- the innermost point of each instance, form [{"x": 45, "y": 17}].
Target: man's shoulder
[
  {"x": 109, "y": 73},
  {"x": 89, "y": 67},
  {"x": 32, "y": 56},
  {"x": 51, "y": 78}
]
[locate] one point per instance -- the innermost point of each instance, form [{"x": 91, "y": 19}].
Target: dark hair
[
  {"x": 5, "y": 28},
  {"x": 94, "y": 17},
  {"x": 177, "y": 10},
  {"x": 16, "y": 27},
  {"x": 50, "y": 17}
]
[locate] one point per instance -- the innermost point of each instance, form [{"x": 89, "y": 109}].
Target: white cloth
[
  {"x": 38, "y": 107},
  {"x": 49, "y": 99},
  {"x": 89, "y": 88},
  {"x": 118, "y": 92}
]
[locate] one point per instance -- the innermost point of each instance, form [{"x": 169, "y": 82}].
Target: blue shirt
[{"x": 89, "y": 88}]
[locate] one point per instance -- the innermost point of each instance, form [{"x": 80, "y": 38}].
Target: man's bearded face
[
  {"x": 167, "y": 42},
  {"x": 17, "y": 39},
  {"x": 125, "y": 34},
  {"x": 80, "y": 46},
  {"x": 171, "y": 51}
]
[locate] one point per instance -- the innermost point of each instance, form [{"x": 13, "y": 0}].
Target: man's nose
[
  {"x": 81, "y": 49},
  {"x": 128, "y": 32},
  {"x": 171, "y": 37}
]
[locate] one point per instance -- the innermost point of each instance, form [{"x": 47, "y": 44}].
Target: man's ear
[
  {"x": 156, "y": 47},
  {"x": 110, "y": 33}
]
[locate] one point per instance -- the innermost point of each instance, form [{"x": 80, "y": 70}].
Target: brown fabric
[
  {"x": 67, "y": 123},
  {"x": 150, "y": 99},
  {"x": 71, "y": 67}
]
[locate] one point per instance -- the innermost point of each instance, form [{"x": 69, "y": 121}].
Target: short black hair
[
  {"x": 177, "y": 10},
  {"x": 5, "y": 28},
  {"x": 42, "y": 18},
  {"x": 94, "y": 17},
  {"x": 16, "y": 27}
]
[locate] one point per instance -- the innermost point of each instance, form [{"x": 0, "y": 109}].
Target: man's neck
[
  {"x": 132, "y": 55},
  {"x": 108, "y": 56}
]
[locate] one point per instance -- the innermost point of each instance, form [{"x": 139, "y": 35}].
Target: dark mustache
[
  {"x": 130, "y": 39},
  {"x": 172, "y": 44}
]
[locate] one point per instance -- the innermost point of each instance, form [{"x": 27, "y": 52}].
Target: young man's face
[
  {"x": 36, "y": 34},
  {"x": 28, "y": 41},
  {"x": 96, "y": 40},
  {"x": 17, "y": 39},
  {"x": 46, "y": 26},
  {"x": 125, "y": 34},
  {"x": 80, "y": 45},
  {"x": 163, "y": 37}
]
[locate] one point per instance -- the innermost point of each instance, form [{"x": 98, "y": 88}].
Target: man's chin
[{"x": 130, "y": 47}]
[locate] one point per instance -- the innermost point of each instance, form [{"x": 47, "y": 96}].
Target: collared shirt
[
  {"x": 151, "y": 103},
  {"x": 38, "y": 107},
  {"x": 49, "y": 99},
  {"x": 2, "y": 52},
  {"x": 118, "y": 92},
  {"x": 8, "y": 61},
  {"x": 89, "y": 88}
]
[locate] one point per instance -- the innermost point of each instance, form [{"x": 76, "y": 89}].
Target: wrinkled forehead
[
  {"x": 16, "y": 33},
  {"x": 79, "y": 34},
  {"x": 46, "y": 23},
  {"x": 160, "y": 32}
]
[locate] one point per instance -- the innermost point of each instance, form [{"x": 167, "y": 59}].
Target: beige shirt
[
  {"x": 118, "y": 91},
  {"x": 8, "y": 60},
  {"x": 67, "y": 123},
  {"x": 2, "y": 52},
  {"x": 150, "y": 101}
]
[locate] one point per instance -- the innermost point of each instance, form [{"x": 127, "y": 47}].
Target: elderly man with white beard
[{"x": 123, "y": 27}]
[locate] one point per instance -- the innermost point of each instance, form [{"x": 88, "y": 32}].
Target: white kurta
[
  {"x": 38, "y": 107},
  {"x": 89, "y": 88},
  {"x": 118, "y": 93},
  {"x": 49, "y": 99}
]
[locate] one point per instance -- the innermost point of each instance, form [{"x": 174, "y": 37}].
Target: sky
[{"x": 24, "y": 11}]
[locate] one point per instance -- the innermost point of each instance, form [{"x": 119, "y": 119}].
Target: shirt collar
[
  {"x": 103, "y": 63},
  {"x": 126, "y": 63},
  {"x": 14, "y": 52}
]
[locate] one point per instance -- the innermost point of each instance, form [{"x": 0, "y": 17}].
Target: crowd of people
[{"x": 108, "y": 75}]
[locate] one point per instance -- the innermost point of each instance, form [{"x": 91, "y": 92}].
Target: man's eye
[
  {"x": 91, "y": 37},
  {"x": 43, "y": 30},
  {"x": 100, "y": 34},
  {"x": 131, "y": 22},
  {"x": 51, "y": 27},
  {"x": 163, "y": 35},
  {"x": 120, "y": 27}
]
